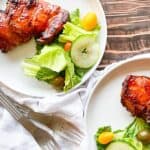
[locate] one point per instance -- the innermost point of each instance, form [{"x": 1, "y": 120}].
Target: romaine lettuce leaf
[
  {"x": 71, "y": 32},
  {"x": 135, "y": 143},
  {"x": 51, "y": 57},
  {"x": 75, "y": 17},
  {"x": 30, "y": 69},
  {"x": 42, "y": 74},
  {"x": 136, "y": 126},
  {"x": 47, "y": 65},
  {"x": 45, "y": 74},
  {"x": 81, "y": 72},
  {"x": 71, "y": 79}
]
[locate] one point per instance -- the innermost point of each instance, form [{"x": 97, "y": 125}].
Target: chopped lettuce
[
  {"x": 51, "y": 62},
  {"x": 75, "y": 17},
  {"x": 72, "y": 32},
  {"x": 71, "y": 79},
  {"x": 51, "y": 57},
  {"x": 47, "y": 65},
  {"x": 30, "y": 69},
  {"x": 45, "y": 74},
  {"x": 42, "y": 74},
  {"x": 135, "y": 143},
  {"x": 81, "y": 72},
  {"x": 136, "y": 126}
]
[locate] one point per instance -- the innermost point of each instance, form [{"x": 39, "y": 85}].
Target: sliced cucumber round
[
  {"x": 85, "y": 51},
  {"x": 120, "y": 145}
]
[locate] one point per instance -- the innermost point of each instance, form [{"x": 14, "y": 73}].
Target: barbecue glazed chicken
[
  {"x": 135, "y": 96},
  {"x": 24, "y": 19}
]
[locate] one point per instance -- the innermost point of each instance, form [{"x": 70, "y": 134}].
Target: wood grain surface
[{"x": 128, "y": 29}]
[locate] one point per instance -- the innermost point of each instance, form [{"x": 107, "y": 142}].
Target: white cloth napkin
[{"x": 70, "y": 106}]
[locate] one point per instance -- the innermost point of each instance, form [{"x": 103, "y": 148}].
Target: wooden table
[{"x": 128, "y": 29}]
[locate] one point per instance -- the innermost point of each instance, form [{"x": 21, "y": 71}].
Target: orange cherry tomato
[
  {"x": 105, "y": 137},
  {"x": 67, "y": 46},
  {"x": 89, "y": 21}
]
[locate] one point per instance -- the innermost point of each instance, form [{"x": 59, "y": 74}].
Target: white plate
[
  {"x": 10, "y": 64},
  {"x": 104, "y": 107}
]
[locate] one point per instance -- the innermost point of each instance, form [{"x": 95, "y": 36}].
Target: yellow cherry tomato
[
  {"x": 105, "y": 137},
  {"x": 89, "y": 21}
]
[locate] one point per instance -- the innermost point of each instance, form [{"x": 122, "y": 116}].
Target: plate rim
[{"x": 107, "y": 71}]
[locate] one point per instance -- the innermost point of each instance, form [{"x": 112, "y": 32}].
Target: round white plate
[
  {"x": 10, "y": 63},
  {"x": 105, "y": 107}
]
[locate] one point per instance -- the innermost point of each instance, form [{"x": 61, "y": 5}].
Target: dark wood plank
[{"x": 128, "y": 29}]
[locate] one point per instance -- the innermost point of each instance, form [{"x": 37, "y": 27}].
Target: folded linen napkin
[{"x": 69, "y": 106}]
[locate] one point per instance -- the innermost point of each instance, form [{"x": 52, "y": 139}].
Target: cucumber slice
[
  {"x": 120, "y": 145},
  {"x": 85, "y": 51}
]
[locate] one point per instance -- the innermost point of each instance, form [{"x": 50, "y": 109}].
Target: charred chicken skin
[
  {"x": 135, "y": 96},
  {"x": 24, "y": 19}
]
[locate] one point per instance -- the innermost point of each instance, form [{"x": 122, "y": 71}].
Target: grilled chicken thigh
[
  {"x": 135, "y": 96},
  {"x": 24, "y": 19}
]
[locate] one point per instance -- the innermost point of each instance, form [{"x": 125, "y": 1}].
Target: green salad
[
  {"x": 64, "y": 62},
  {"x": 134, "y": 137}
]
